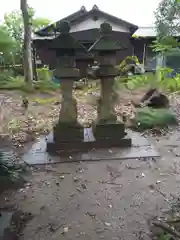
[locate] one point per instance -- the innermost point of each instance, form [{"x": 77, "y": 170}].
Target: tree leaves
[
  {"x": 167, "y": 18},
  {"x": 6, "y": 42}
]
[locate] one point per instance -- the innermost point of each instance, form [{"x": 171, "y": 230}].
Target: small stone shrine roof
[
  {"x": 106, "y": 42},
  {"x": 65, "y": 40}
]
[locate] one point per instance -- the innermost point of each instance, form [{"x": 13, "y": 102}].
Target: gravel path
[{"x": 99, "y": 200}]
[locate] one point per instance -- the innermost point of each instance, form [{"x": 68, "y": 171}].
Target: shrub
[
  {"x": 163, "y": 81},
  {"x": 168, "y": 83},
  {"x": 12, "y": 83},
  {"x": 44, "y": 74},
  {"x": 147, "y": 118},
  {"x": 45, "y": 83},
  {"x": 125, "y": 64},
  {"x": 136, "y": 81},
  {"x": 8, "y": 173}
]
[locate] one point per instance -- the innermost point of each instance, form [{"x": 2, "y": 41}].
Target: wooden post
[
  {"x": 144, "y": 53},
  {"x": 28, "y": 71},
  {"x": 34, "y": 63}
]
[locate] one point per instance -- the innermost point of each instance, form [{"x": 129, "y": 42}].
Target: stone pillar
[
  {"x": 67, "y": 129},
  {"x": 68, "y": 112},
  {"x": 106, "y": 111}
]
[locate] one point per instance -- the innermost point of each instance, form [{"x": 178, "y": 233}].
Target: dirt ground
[{"x": 96, "y": 200}]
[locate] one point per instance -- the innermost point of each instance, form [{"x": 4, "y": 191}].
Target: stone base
[
  {"x": 141, "y": 148},
  {"x": 110, "y": 131},
  {"x": 64, "y": 132},
  {"x": 88, "y": 143}
]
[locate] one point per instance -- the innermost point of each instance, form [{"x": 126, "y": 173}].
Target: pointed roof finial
[
  {"x": 95, "y": 7},
  {"x": 64, "y": 27},
  {"x": 83, "y": 9}
]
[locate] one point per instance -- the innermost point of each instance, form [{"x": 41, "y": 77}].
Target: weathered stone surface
[
  {"x": 68, "y": 132},
  {"x": 106, "y": 111},
  {"x": 68, "y": 112},
  {"x": 110, "y": 131}
]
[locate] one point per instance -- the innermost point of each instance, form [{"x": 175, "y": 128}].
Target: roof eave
[{"x": 75, "y": 14}]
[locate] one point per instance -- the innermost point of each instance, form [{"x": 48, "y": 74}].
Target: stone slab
[
  {"x": 141, "y": 148},
  {"x": 5, "y": 221}
]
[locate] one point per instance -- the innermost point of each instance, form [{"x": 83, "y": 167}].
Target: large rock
[{"x": 153, "y": 98}]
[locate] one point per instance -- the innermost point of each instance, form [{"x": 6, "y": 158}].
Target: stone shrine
[{"x": 106, "y": 127}]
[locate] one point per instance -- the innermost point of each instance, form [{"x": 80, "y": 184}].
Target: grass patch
[{"x": 43, "y": 101}]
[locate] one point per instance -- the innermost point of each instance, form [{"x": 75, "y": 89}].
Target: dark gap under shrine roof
[{"x": 107, "y": 43}]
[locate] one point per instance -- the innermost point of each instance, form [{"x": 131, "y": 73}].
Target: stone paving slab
[{"x": 141, "y": 148}]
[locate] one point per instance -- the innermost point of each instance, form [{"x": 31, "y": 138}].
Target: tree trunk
[{"x": 28, "y": 69}]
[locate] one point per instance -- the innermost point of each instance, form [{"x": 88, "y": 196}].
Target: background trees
[
  {"x": 12, "y": 35},
  {"x": 167, "y": 25}
]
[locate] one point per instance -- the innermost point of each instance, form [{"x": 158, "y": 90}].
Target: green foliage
[
  {"x": 136, "y": 81},
  {"x": 6, "y": 42},
  {"x": 46, "y": 86},
  {"x": 167, "y": 83},
  {"x": 167, "y": 18},
  {"x": 164, "y": 82},
  {"x": 44, "y": 74},
  {"x": 164, "y": 236},
  {"x": 45, "y": 101},
  {"x": 165, "y": 44},
  {"x": 125, "y": 64},
  {"x": 39, "y": 23},
  {"x": 13, "y": 25},
  {"x": 7, "y": 171},
  {"x": 44, "y": 83},
  {"x": 12, "y": 83},
  {"x": 167, "y": 25},
  {"x": 147, "y": 118}
]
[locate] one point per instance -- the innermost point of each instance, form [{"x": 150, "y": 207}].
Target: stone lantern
[
  {"x": 67, "y": 131},
  {"x": 105, "y": 48}
]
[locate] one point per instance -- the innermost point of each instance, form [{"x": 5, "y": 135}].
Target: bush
[
  {"x": 44, "y": 74},
  {"x": 147, "y": 118},
  {"x": 168, "y": 83},
  {"x": 45, "y": 83},
  {"x": 136, "y": 81},
  {"x": 164, "y": 81},
  {"x": 12, "y": 83},
  {"x": 8, "y": 171},
  {"x": 126, "y": 63}
]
